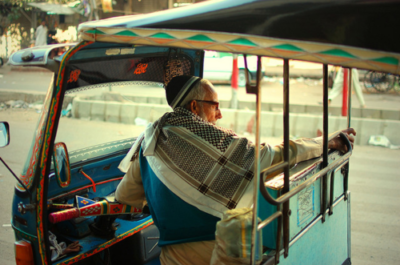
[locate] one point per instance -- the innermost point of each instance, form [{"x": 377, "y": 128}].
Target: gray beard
[{"x": 203, "y": 116}]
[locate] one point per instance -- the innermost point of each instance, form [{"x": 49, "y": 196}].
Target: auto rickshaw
[{"x": 65, "y": 192}]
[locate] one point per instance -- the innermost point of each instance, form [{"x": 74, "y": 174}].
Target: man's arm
[
  {"x": 307, "y": 148},
  {"x": 130, "y": 190},
  {"x": 299, "y": 150}
]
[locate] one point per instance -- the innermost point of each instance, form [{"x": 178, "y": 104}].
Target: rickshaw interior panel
[{"x": 116, "y": 63}]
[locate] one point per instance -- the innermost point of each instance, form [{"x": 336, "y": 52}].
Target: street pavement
[{"x": 373, "y": 170}]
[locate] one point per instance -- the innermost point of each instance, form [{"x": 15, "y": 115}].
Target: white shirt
[{"x": 41, "y": 36}]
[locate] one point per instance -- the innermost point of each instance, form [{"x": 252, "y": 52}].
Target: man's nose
[{"x": 219, "y": 115}]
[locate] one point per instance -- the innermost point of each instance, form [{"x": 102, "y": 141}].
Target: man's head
[
  {"x": 195, "y": 94},
  {"x": 43, "y": 23}
]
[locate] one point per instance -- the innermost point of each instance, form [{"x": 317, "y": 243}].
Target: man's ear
[{"x": 193, "y": 107}]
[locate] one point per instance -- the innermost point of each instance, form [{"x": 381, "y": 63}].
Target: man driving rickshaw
[
  {"x": 176, "y": 144},
  {"x": 194, "y": 173}
]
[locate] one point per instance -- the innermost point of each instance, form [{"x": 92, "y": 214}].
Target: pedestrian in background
[
  {"x": 41, "y": 34},
  {"x": 338, "y": 86}
]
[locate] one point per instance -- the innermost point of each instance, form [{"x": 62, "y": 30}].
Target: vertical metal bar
[
  {"x": 345, "y": 93},
  {"x": 332, "y": 192},
  {"x": 347, "y": 167},
  {"x": 278, "y": 235},
  {"x": 345, "y": 172},
  {"x": 349, "y": 99},
  {"x": 286, "y": 206},
  {"x": 256, "y": 186},
  {"x": 325, "y": 141},
  {"x": 348, "y": 224}
]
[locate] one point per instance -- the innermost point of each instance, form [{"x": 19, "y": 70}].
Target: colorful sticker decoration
[
  {"x": 74, "y": 76},
  {"x": 141, "y": 68},
  {"x": 82, "y": 201}
]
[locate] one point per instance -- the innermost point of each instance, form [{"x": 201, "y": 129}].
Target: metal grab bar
[
  {"x": 285, "y": 197},
  {"x": 278, "y": 214},
  {"x": 274, "y": 168},
  {"x": 269, "y": 220}
]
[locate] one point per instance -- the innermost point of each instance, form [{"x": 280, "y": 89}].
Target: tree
[{"x": 12, "y": 13}]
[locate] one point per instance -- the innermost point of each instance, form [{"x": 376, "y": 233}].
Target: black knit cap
[{"x": 178, "y": 88}]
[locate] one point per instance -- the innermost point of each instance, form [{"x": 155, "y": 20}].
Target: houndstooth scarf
[{"x": 205, "y": 165}]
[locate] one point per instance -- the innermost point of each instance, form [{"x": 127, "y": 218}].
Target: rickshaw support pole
[
  {"x": 345, "y": 91},
  {"x": 286, "y": 206},
  {"x": 257, "y": 170},
  {"x": 324, "y": 180}
]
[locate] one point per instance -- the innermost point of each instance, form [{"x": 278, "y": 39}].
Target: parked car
[{"x": 218, "y": 67}]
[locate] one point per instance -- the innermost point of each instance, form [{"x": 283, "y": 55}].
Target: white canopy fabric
[{"x": 54, "y": 8}]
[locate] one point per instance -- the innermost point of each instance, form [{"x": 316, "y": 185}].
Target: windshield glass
[
  {"x": 101, "y": 119},
  {"x": 32, "y": 159}
]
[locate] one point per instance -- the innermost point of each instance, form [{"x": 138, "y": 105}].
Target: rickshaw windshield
[
  {"x": 101, "y": 119},
  {"x": 108, "y": 84},
  {"x": 33, "y": 157}
]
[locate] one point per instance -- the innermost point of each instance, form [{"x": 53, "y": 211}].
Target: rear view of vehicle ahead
[{"x": 64, "y": 209}]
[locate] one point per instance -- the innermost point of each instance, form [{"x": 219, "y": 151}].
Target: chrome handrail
[{"x": 285, "y": 197}]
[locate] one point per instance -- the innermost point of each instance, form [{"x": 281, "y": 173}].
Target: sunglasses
[{"x": 214, "y": 103}]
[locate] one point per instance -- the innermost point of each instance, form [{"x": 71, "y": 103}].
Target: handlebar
[
  {"x": 99, "y": 208},
  {"x": 64, "y": 215}
]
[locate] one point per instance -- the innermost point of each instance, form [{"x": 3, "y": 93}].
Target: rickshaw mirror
[
  {"x": 61, "y": 165},
  {"x": 27, "y": 56},
  {"x": 4, "y": 141},
  {"x": 4, "y": 134}
]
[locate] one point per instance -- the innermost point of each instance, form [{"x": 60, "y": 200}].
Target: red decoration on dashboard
[
  {"x": 74, "y": 75},
  {"x": 141, "y": 68}
]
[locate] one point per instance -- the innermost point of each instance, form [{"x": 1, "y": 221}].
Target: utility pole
[{"x": 235, "y": 82}]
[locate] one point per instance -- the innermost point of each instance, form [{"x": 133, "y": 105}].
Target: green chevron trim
[
  {"x": 337, "y": 52},
  {"x": 201, "y": 38},
  {"x": 243, "y": 41},
  {"x": 288, "y": 47},
  {"x": 126, "y": 33},
  {"x": 162, "y": 36},
  {"x": 388, "y": 60}
]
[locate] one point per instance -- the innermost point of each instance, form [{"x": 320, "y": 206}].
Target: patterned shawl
[{"x": 205, "y": 165}]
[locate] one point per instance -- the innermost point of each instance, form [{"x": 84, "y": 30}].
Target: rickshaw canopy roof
[
  {"x": 348, "y": 33},
  {"x": 358, "y": 23}
]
